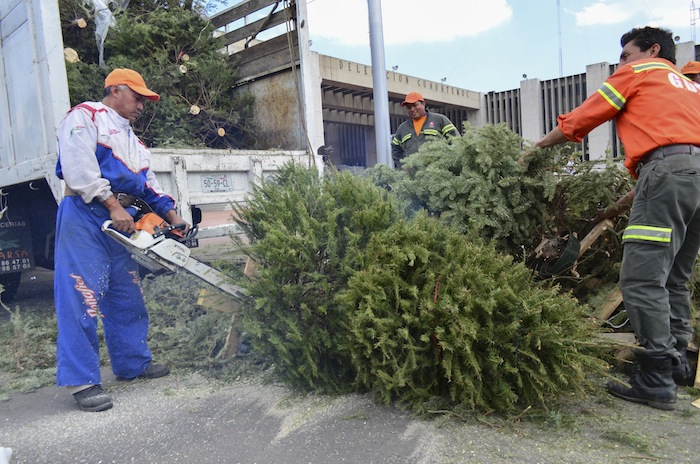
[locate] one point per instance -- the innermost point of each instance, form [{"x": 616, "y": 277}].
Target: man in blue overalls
[{"x": 100, "y": 159}]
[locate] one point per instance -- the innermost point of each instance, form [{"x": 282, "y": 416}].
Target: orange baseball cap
[
  {"x": 693, "y": 67},
  {"x": 411, "y": 98},
  {"x": 133, "y": 80}
]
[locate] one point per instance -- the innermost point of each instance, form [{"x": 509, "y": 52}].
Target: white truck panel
[
  {"x": 213, "y": 179},
  {"x": 34, "y": 95}
]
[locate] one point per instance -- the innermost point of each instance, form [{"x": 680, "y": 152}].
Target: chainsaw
[{"x": 157, "y": 246}]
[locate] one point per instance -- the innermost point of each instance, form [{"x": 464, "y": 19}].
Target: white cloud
[
  {"x": 672, "y": 14},
  {"x": 603, "y": 13},
  {"x": 406, "y": 21}
]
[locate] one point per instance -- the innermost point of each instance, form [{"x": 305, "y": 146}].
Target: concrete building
[{"x": 308, "y": 101}]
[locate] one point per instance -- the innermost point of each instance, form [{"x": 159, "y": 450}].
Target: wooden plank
[
  {"x": 612, "y": 302},
  {"x": 239, "y": 11},
  {"x": 232, "y": 339},
  {"x": 251, "y": 268},
  {"x": 255, "y": 62},
  {"x": 627, "y": 344},
  {"x": 261, "y": 52},
  {"x": 254, "y": 28},
  {"x": 220, "y": 302},
  {"x": 217, "y": 301},
  {"x": 593, "y": 235},
  {"x": 622, "y": 338}
]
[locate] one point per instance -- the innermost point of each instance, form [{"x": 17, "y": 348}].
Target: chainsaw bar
[{"x": 157, "y": 252}]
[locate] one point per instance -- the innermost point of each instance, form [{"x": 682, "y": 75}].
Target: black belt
[
  {"x": 668, "y": 150},
  {"x": 124, "y": 199},
  {"x": 127, "y": 200}
]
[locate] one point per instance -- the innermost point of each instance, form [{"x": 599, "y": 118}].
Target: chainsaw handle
[
  {"x": 109, "y": 225},
  {"x": 158, "y": 231},
  {"x": 173, "y": 231},
  {"x": 182, "y": 226},
  {"x": 106, "y": 225}
]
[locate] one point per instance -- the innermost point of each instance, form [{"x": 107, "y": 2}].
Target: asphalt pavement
[{"x": 189, "y": 419}]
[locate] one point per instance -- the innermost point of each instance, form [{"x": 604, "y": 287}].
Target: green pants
[{"x": 661, "y": 244}]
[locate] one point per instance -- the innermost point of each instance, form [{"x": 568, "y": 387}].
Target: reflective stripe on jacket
[{"x": 406, "y": 141}]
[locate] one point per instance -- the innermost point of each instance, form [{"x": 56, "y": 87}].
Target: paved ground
[{"x": 186, "y": 418}]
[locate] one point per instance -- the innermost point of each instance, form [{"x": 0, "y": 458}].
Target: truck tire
[{"x": 11, "y": 283}]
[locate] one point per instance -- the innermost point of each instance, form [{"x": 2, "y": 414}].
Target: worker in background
[
  {"x": 422, "y": 126},
  {"x": 692, "y": 71},
  {"x": 100, "y": 159},
  {"x": 657, "y": 113}
]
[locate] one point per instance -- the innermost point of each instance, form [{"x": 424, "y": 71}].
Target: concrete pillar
[
  {"x": 532, "y": 109},
  {"x": 600, "y": 138},
  {"x": 685, "y": 52},
  {"x": 310, "y": 84}
]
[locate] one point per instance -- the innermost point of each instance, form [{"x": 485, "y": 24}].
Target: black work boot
[
  {"x": 153, "y": 371},
  {"x": 682, "y": 373},
  {"x": 652, "y": 384},
  {"x": 93, "y": 399}
]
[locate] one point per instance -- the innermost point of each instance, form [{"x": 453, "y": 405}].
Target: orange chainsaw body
[{"x": 152, "y": 223}]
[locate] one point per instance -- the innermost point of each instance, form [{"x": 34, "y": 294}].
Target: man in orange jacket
[
  {"x": 691, "y": 70},
  {"x": 657, "y": 112}
]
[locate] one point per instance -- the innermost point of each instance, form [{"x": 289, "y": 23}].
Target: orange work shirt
[
  {"x": 653, "y": 105},
  {"x": 418, "y": 124}
]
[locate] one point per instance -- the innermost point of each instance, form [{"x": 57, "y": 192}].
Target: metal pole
[
  {"x": 561, "y": 66},
  {"x": 381, "y": 95}
]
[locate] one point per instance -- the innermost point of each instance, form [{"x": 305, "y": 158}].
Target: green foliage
[
  {"x": 305, "y": 235},
  {"x": 172, "y": 45},
  {"x": 29, "y": 341},
  {"x": 435, "y": 314},
  {"x": 27, "y": 349},
  {"x": 578, "y": 197},
  {"x": 82, "y": 39},
  {"x": 577, "y": 200},
  {"x": 476, "y": 183},
  {"x": 350, "y": 295},
  {"x": 182, "y": 333}
]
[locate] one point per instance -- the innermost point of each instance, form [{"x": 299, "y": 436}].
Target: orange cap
[
  {"x": 133, "y": 80},
  {"x": 693, "y": 67},
  {"x": 411, "y": 98}
]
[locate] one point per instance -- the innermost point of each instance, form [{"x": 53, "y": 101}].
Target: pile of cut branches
[
  {"x": 476, "y": 183},
  {"x": 351, "y": 294}
]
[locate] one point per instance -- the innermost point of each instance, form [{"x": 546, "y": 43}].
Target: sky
[{"x": 485, "y": 45}]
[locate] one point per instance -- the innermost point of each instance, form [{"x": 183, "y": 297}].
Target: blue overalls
[{"x": 95, "y": 277}]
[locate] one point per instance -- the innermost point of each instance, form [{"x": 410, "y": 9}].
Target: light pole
[{"x": 381, "y": 95}]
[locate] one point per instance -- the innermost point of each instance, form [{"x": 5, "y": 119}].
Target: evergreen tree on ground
[
  {"x": 433, "y": 313},
  {"x": 351, "y": 295},
  {"x": 305, "y": 234}
]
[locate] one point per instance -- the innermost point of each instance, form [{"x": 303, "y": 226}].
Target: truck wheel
[{"x": 11, "y": 283}]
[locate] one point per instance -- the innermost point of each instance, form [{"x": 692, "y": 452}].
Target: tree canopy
[{"x": 172, "y": 44}]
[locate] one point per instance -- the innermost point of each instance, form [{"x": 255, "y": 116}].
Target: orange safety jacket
[{"x": 653, "y": 105}]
